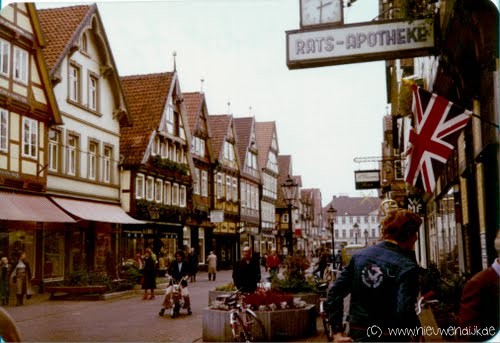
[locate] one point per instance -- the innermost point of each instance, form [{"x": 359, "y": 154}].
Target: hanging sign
[
  {"x": 360, "y": 42},
  {"x": 367, "y": 179}
]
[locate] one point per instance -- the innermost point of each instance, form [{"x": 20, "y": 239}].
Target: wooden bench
[{"x": 75, "y": 290}]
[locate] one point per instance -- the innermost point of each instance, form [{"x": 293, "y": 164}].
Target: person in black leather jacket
[{"x": 383, "y": 283}]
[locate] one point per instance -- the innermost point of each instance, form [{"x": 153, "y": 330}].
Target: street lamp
[
  {"x": 331, "y": 218},
  {"x": 290, "y": 188},
  {"x": 356, "y": 228},
  {"x": 366, "y": 237}
]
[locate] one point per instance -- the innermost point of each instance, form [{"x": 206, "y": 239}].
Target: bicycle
[
  {"x": 322, "y": 288},
  {"x": 242, "y": 318}
]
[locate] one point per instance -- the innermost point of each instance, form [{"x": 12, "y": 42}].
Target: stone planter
[{"x": 278, "y": 325}]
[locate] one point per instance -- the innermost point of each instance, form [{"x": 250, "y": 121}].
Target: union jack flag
[{"x": 433, "y": 137}]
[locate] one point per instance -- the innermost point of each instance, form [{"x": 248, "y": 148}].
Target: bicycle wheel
[
  {"x": 236, "y": 326},
  {"x": 327, "y": 331},
  {"x": 253, "y": 331}
]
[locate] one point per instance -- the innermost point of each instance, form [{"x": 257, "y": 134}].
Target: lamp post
[
  {"x": 356, "y": 228},
  {"x": 290, "y": 188},
  {"x": 331, "y": 218},
  {"x": 366, "y": 237}
]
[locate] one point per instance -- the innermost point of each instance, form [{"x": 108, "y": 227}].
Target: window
[
  {"x": 182, "y": 196},
  {"x": 54, "y": 152},
  {"x": 84, "y": 43},
  {"x": 158, "y": 190},
  {"x": 175, "y": 194},
  {"x": 92, "y": 155},
  {"x": 343, "y": 234},
  {"x": 93, "y": 93},
  {"x": 30, "y": 137},
  {"x": 167, "y": 193},
  {"x": 219, "y": 185},
  {"x": 74, "y": 83},
  {"x": 366, "y": 220},
  {"x": 4, "y": 129},
  {"x": 4, "y": 57},
  {"x": 235, "y": 189},
  {"x": 108, "y": 153},
  {"x": 150, "y": 188},
  {"x": 169, "y": 117},
  {"x": 20, "y": 65},
  {"x": 72, "y": 154},
  {"x": 285, "y": 217},
  {"x": 228, "y": 188},
  {"x": 156, "y": 146},
  {"x": 139, "y": 186},
  {"x": 336, "y": 233},
  {"x": 204, "y": 183},
  {"x": 196, "y": 181},
  {"x": 164, "y": 149},
  {"x": 343, "y": 220},
  {"x": 243, "y": 188}
]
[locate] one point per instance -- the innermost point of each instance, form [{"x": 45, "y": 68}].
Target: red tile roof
[
  {"x": 146, "y": 96},
  {"x": 219, "y": 126},
  {"x": 354, "y": 206},
  {"x": 264, "y": 134},
  {"x": 193, "y": 103},
  {"x": 243, "y": 128},
  {"x": 61, "y": 27}
]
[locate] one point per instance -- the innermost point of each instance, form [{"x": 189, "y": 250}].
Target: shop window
[{"x": 53, "y": 254}]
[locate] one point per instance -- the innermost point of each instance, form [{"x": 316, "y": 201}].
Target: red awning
[
  {"x": 30, "y": 208},
  {"x": 94, "y": 211}
]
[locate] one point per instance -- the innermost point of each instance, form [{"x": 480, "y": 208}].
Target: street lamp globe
[{"x": 290, "y": 188}]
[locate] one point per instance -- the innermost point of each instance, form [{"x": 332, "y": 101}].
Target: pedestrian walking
[
  {"x": 21, "y": 277},
  {"x": 212, "y": 266},
  {"x": 322, "y": 263},
  {"x": 338, "y": 260},
  {"x": 246, "y": 272},
  {"x": 193, "y": 264},
  {"x": 273, "y": 263},
  {"x": 382, "y": 280},
  {"x": 480, "y": 302},
  {"x": 4, "y": 280},
  {"x": 149, "y": 275}
]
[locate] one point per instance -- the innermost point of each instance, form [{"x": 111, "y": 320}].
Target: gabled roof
[
  {"x": 193, "y": 102},
  {"x": 61, "y": 27},
  {"x": 285, "y": 168},
  {"x": 243, "y": 127},
  {"x": 147, "y": 96},
  {"x": 219, "y": 125},
  {"x": 354, "y": 206},
  {"x": 264, "y": 132}
]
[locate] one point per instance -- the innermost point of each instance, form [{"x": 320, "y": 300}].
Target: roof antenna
[
  {"x": 201, "y": 87},
  {"x": 175, "y": 65},
  {"x": 229, "y": 107}
]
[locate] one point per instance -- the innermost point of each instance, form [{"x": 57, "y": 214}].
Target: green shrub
[
  {"x": 226, "y": 288},
  {"x": 84, "y": 277}
]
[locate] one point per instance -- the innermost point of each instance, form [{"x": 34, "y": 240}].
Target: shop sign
[
  {"x": 216, "y": 216},
  {"x": 367, "y": 179},
  {"x": 415, "y": 204},
  {"x": 360, "y": 42}
]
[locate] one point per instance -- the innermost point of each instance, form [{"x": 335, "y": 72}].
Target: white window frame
[
  {"x": 72, "y": 155},
  {"x": 175, "y": 194},
  {"x": 204, "y": 183},
  {"x": 139, "y": 186},
  {"x": 4, "y": 57},
  {"x": 196, "y": 181},
  {"x": 158, "y": 190},
  {"x": 74, "y": 83},
  {"x": 4, "y": 130},
  {"x": 54, "y": 150},
  {"x": 21, "y": 65},
  {"x": 106, "y": 165},
  {"x": 30, "y": 137},
  {"x": 220, "y": 187},
  {"x": 182, "y": 196},
  {"x": 92, "y": 157},
  {"x": 169, "y": 116},
  {"x": 235, "y": 188},
  {"x": 167, "y": 193},
  {"x": 228, "y": 188},
  {"x": 150, "y": 189},
  {"x": 164, "y": 149},
  {"x": 93, "y": 92}
]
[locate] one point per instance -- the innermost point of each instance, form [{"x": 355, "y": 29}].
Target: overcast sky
[{"x": 325, "y": 116}]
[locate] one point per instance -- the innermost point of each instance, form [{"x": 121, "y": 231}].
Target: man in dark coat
[
  {"x": 179, "y": 270},
  {"x": 246, "y": 272}
]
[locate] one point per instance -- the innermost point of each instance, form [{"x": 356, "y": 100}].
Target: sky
[{"x": 325, "y": 116}]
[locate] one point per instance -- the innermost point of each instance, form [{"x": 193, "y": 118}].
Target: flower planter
[
  {"x": 212, "y": 295},
  {"x": 278, "y": 325}
]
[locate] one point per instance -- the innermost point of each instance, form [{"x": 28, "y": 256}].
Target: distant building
[{"x": 356, "y": 221}]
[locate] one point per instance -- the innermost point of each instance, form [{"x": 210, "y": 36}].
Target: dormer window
[
  {"x": 84, "y": 43},
  {"x": 20, "y": 65}
]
